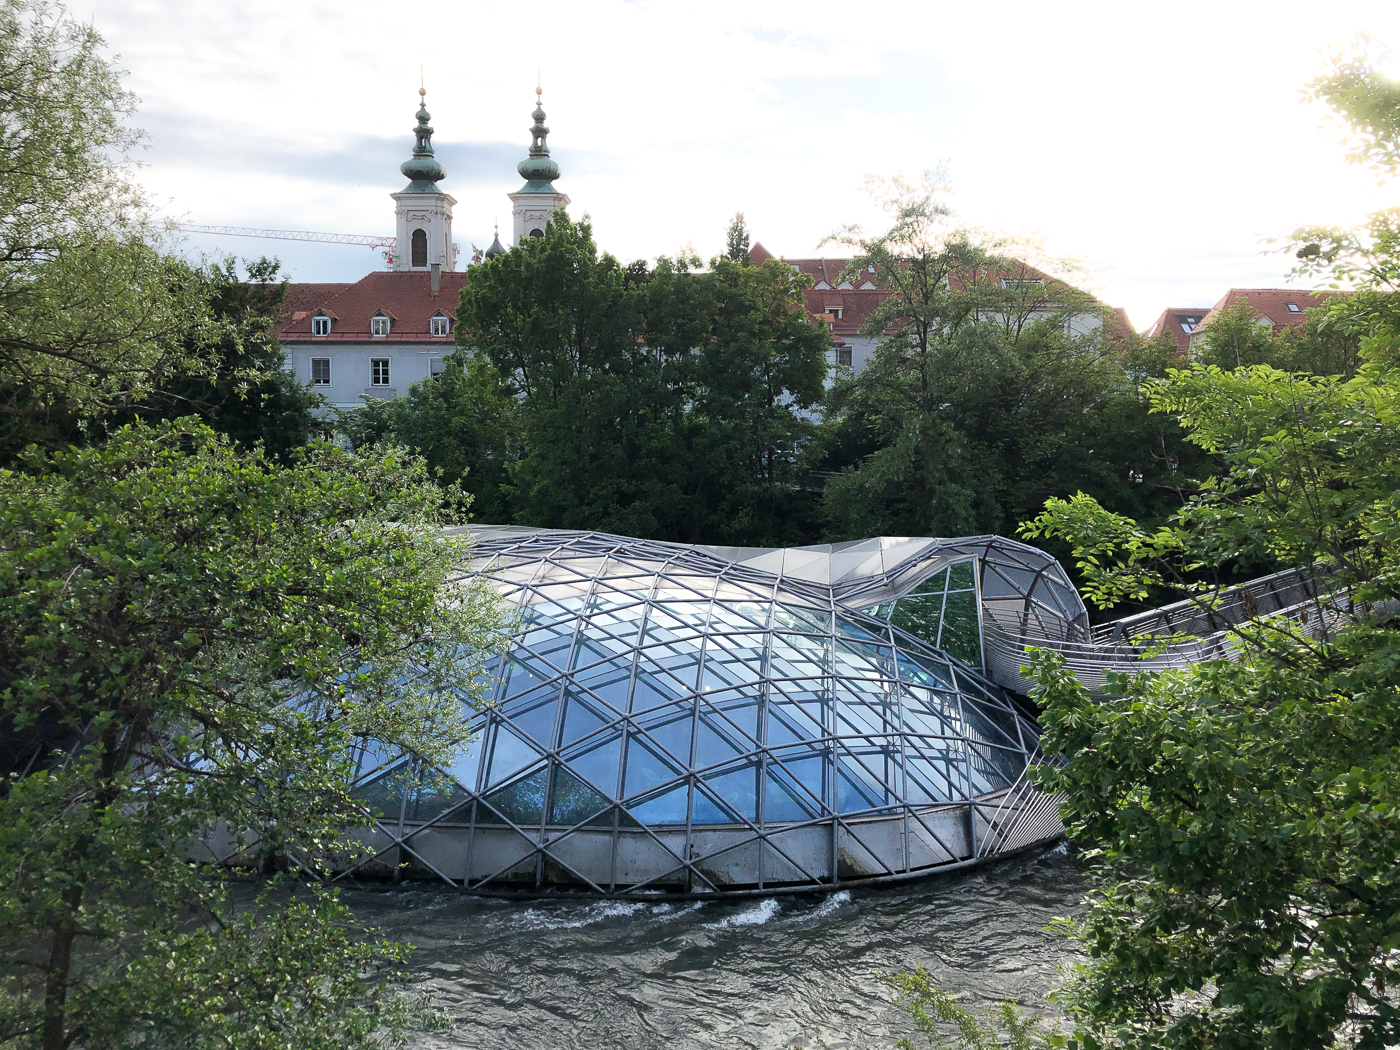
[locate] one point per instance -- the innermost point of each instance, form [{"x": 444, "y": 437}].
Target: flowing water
[{"x": 771, "y": 972}]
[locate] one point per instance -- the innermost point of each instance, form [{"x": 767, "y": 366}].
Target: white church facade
[{"x": 377, "y": 336}]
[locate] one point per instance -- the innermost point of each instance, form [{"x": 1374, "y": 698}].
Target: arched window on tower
[
  {"x": 537, "y": 233},
  {"x": 420, "y": 248}
]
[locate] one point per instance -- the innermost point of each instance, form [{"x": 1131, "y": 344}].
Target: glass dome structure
[{"x": 675, "y": 719}]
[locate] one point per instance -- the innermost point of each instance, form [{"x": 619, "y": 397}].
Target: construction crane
[{"x": 366, "y": 240}]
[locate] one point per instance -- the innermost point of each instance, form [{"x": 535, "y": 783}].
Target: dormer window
[
  {"x": 845, "y": 286},
  {"x": 1293, "y": 308},
  {"x": 1189, "y": 323},
  {"x": 379, "y": 325},
  {"x": 320, "y": 324},
  {"x": 870, "y": 269},
  {"x": 438, "y": 324}
]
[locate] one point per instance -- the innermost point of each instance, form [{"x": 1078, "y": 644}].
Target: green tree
[
  {"x": 463, "y": 422},
  {"x": 193, "y": 643},
  {"x": 736, "y": 240},
  {"x": 91, "y": 314},
  {"x": 986, "y": 393}
]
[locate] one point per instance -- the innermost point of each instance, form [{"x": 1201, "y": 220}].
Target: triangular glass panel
[
  {"x": 598, "y": 764},
  {"x": 741, "y": 712},
  {"x": 551, "y": 643},
  {"x": 853, "y": 794},
  {"x": 784, "y": 801},
  {"x": 812, "y": 772},
  {"x": 715, "y": 744},
  {"x": 535, "y": 718},
  {"x": 650, "y": 691},
  {"x": 509, "y": 755},
  {"x": 580, "y": 718},
  {"x": 710, "y": 810},
  {"x": 665, "y": 808},
  {"x": 928, "y": 782},
  {"x": 609, "y": 681},
  {"x": 670, "y": 729},
  {"x": 384, "y": 793},
  {"x": 436, "y": 793},
  {"x": 526, "y": 673},
  {"x": 466, "y": 762},
  {"x": 738, "y": 788},
  {"x": 646, "y": 770},
  {"x": 572, "y": 801},
  {"x": 521, "y": 803}
]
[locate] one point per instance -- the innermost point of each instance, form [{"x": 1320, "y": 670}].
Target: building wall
[{"x": 351, "y": 371}]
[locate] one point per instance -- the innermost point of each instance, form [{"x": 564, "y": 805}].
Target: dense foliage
[
  {"x": 1246, "y": 811},
  {"x": 649, "y": 402},
  {"x": 198, "y": 623}
]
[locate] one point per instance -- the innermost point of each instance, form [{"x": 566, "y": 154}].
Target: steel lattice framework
[{"x": 678, "y": 719}]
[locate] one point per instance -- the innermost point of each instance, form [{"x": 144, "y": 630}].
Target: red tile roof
[
  {"x": 404, "y": 296},
  {"x": 1174, "y": 319},
  {"x": 1269, "y": 302}
]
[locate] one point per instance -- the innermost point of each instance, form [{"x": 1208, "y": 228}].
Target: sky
[{"x": 1160, "y": 145}]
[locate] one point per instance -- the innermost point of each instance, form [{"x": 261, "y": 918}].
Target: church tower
[
  {"x": 532, "y": 206},
  {"x": 423, "y": 212}
]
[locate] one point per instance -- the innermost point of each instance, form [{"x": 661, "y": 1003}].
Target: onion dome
[
  {"x": 423, "y": 171},
  {"x": 538, "y": 171},
  {"x": 497, "y": 248}
]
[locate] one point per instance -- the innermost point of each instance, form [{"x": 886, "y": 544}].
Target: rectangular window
[
  {"x": 379, "y": 326},
  {"x": 834, "y": 311},
  {"x": 436, "y": 366},
  {"x": 1022, "y": 286},
  {"x": 320, "y": 325},
  {"x": 1293, "y": 308},
  {"x": 870, "y": 269},
  {"x": 320, "y": 371},
  {"x": 1188, "y": 324},
  {"x": 843, "y": 356},
  {"x": 439, "y": 326},
  {"x": 379, "y": 371}
]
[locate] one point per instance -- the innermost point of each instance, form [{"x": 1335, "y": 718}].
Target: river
[{"x": 772, "y": 972}]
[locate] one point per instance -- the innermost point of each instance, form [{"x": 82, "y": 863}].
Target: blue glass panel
[
  {"x": 853, "y": 794},
  {"x": 467, "y": 761},
  {"x": 668, "y": 807},
  {"x": 811, "y": 771},
  {"x": 741, "y": 711},
  {"x": 542, "y": 613},
  {"x": 580, "y": 718},
  {"x": 845, "y": 628},
  {"x": 599, "y": 764},
  {"x": 534, "y": 716},
  {"x": 738, "y": 788},
  {"x": 789, "y": 724},
  {"x": 526, "y": 673},
  {"x": 999, "y": 766},
  {"x": 929, "y": 782},
  {"x": 919, "y": 720},
  {"x": 670, "y": 728},
  {"x": 709, "y": 810},
  {"x": 551, "y": 643},
  {"x": 876, "y": 762},
  {"x": 865, "y": 711},
  {"x": 646, "y": 769},
  {"x": 716, "y": 743},
  {"x": 680, "y": 659},
  {"x": 991, "y": 722},
  {"x": 681, "y": 615},
  {"x": 521, "y": 803},
  {"x": 650, "y": 691},
  {"x": 919, "y": 671},
  {"x": 571, "y": 801},
  {"x": 783, "y": 800},
  {"x": 509, "y": 755},
  {"x": 609, "y": 681}
]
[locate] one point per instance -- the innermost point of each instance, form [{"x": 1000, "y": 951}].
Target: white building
[{"x": 377, "y": 336}]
